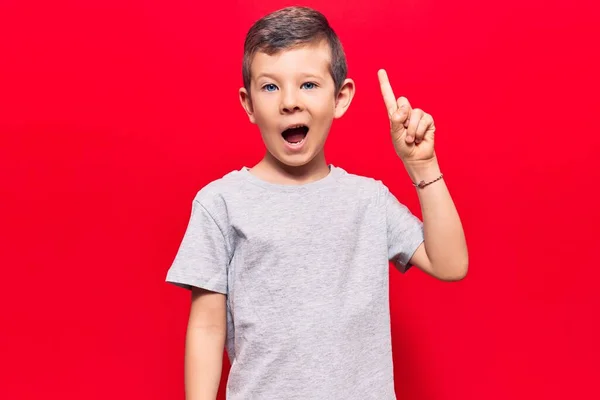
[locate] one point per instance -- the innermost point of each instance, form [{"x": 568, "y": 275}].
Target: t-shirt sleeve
[
  {"x": 404, "y": 232},
  {"x": 203, "y": 256}
]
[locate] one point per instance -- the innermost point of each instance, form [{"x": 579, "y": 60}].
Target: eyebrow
[
  {"x": 265, "y": 75},
  {"x": 274, "y": 77}
]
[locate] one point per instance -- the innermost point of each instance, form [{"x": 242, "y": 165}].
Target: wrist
[{"x": 423, "y": 170}]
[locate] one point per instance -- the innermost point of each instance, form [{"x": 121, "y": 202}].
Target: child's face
[{"x": 293, "y": 101}]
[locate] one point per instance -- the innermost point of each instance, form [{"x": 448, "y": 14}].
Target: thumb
[{"x": 397, "y": 122}]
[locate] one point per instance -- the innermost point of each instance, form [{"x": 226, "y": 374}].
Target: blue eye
[
  {"x": 309, "y": 85},
  {"x": 269, "y": 87}
]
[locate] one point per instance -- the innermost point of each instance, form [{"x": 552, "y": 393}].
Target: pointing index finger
[{"x": 388, "y": 94}]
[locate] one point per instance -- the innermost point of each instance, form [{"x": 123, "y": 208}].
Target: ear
[
  {"x": 344, "y": 98},
  {"x": 247, "y": 104}
]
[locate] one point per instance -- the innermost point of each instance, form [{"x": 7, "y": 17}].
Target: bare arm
[
  {"x": 444, "y": 251},
  {"x": 205, "y": 342}
]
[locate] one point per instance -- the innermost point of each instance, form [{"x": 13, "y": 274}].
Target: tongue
[{"x": 295, "y": 135}]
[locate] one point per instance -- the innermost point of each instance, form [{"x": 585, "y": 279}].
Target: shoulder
[
  {"x": 213, "y": 195},
  {"x": 362, "y": 185}
]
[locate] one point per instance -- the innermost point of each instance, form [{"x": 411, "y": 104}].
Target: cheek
[
  {"x": 263, "y": 114},
  {"x": 325, "y": 108}
]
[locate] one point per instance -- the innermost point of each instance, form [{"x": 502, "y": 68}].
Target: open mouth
[{"x": 295, "y": 134}]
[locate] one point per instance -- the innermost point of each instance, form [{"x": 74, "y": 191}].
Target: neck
[{"x": 272, "y": 170}]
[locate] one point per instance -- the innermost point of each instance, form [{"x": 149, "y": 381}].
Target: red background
[{"x": 113, "y": 114}]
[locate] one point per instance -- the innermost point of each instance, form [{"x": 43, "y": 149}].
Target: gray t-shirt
[{"x": 305, "y": 269}]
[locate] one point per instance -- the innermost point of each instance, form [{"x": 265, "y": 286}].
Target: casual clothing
[{"x": 305, "y": 269}]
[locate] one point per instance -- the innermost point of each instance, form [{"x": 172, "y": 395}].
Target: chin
[
  {"x": 295, "y": 146},
  {"x": 295, "y": 160}
]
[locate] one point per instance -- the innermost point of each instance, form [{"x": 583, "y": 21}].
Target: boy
[{"x": 287, "y": 262}]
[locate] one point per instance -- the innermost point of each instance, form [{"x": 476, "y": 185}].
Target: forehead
[{"x": 306, "y": 59}]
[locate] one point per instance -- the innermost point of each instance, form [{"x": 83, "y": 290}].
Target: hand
[{"x": 412, "y": 130}]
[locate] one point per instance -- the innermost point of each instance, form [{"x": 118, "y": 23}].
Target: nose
[{"x": 290, "y": 102}]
